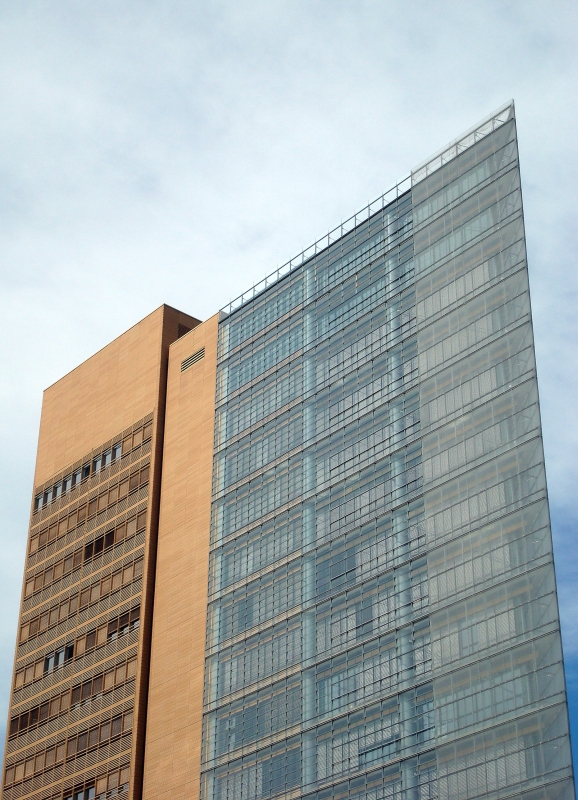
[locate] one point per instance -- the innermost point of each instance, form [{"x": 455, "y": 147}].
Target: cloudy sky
[{"x": 179, "y": 151}]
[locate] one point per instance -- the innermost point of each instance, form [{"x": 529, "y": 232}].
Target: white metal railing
[
  {"x": 401, "y": 187},
  {"x": 431, "y": 164},
  {"x": 479, "y": 131}
]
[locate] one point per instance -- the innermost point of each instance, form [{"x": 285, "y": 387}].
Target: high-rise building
[{"x": 302, "y": 549}]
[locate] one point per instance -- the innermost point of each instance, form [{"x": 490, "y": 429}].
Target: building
[{"x": 340, "y": 584}]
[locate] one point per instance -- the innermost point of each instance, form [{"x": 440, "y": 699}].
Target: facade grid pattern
[
  {"x": 382, "y": 617},
  {"x": 74, "y": 682}
]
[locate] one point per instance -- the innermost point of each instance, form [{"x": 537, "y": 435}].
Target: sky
[{"x": 177, "y": 152}]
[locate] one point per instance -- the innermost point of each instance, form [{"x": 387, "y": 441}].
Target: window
[
  {"x": 80, "y": 693},
  {"x": 81, "y": 794},
  {"x": 123, "y": 624},
  {"x": 100, "y": 544},
  {"x": 58, "y": 658},
  {"x": 62, "y": 656},
  {"x": 98, "y": 463}
]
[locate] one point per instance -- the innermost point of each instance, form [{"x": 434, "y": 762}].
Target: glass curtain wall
[{"x": 383, "y": 619}]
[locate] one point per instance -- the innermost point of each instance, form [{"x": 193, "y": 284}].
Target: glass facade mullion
[{"x": 382, "y": 618}]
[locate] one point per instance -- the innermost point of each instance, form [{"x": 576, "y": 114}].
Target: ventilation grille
[
  {"x": 188, "y": 362},
  {"x": 182, "y": 330}
]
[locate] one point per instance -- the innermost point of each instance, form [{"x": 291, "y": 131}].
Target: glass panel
[{"x": 382, "y": 619}]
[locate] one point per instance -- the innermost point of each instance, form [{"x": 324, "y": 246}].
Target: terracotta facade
[
  {"x": 175, "y": 706},
  {"x": 78, "y": 707}
]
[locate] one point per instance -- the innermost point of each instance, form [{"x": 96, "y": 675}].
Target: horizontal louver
[{"x": 188, "y": 362}]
